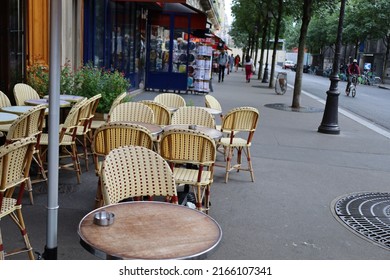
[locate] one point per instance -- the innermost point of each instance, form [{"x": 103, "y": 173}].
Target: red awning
[
  {"x": 198, "y": 19},
  {"x": 153, "y": 1}
]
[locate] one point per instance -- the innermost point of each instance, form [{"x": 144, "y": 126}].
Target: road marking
[{"x": 352, "y": 116}]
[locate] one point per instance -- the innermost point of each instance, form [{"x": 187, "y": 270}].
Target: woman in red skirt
[{"x": 248, "y": 68}]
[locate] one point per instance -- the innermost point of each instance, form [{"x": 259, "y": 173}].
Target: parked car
[{"x": 288, "y": 64}]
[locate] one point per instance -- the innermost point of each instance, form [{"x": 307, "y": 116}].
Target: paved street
[{"x": 285, "y": 214}]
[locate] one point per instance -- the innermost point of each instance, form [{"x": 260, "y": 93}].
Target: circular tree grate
[
  {"x": 285, "y": 107},
  {"x": 367, "y": 214}
]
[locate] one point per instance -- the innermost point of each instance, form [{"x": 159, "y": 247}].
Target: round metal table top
[
  {"x": 68, "y": 97},
  {"x": 18, "y": 109},
  {"x": 153, "y": 128},
  {"x": 6, "y": 118},
  {"x": 212, "y": 132},
  {"x": 63, "y": 103},
  {"x": 212, "y": 111},
  {"x": 150, "y": 230}
]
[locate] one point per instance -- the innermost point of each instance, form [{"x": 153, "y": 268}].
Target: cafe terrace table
[
  {"x": 7, "y": 118},
  {"x": 212, "y": 132},
  {"x": 68, "y": 97},
  {"x": 212, "y": 111},
  {"x": 63, "y": 103},
  {"x": 153, "y": 128},
  {"x": 150, "y": 230},
  {"x": 18, "y": 109}
]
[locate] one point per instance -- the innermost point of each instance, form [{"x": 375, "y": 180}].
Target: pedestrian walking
[
  {"x": 248, "y": 68},
  {"x": 222, "y": 62},
  {"x": 231, "y": 62},
  {"x": 237, "y": 60}
]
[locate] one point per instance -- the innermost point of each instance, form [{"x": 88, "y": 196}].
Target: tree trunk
[
  {"x": 263, "y": 42},
  {"x": 387, "y": 44},
  {"x": 276, "y": 40},
  {"x": 306, "y": 17}
]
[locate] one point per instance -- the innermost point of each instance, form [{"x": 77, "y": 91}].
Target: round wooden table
[
  {"x": 6, "y": 118},
  {"x": 150, "y": 230},
  {"x": 212, "y": 132}
]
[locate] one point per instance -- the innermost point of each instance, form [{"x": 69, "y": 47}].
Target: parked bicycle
[
  {"x": 281, "y": 83},
  {"x": 352, "y": 86}
]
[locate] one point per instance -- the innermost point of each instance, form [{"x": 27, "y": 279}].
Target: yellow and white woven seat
[
  {"x": 171, "y": 100},
  {"x": 24, "y": 92},
  {"x": 67, "y": 140},
  {"x": 191, "y": 155},
  {"x": 15, "y": 160},
  {"x": 192, "y": 115},
  {"x": 242, "y": 120},
  {"x": 135, "y": 172},
  {"x": 119, "y": 99},
  {"x": 131, "y": 112},
  {"x": 29, "y": 124},
  {"x": 4, "y": 100},
  {"x": 113, "y": 135}
]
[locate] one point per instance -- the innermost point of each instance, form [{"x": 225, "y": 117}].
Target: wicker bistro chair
[
  {"x": 118, "y": 100},
  {"x": 29, "y": 124},
  {"x": 24, "y": 92},
  {"x": 15, "y": 160},
  {"x": 241, "y": 119},
  {"x": 191, "y": 155},
  {"x": 162, "y": 115},
  {"x": 192, "y": 115},
  {"x": 211, "y": 102},
  {"x": 84, "y": 131},
  {"x": 131, "y": 112},
  {"x": 112, "y": 135},
  {"x": 4, "y": 100},
  {"x": 67, "y": 140},
  {"x": 136, "y": 172},
  {"x": 171, "y": 100}
]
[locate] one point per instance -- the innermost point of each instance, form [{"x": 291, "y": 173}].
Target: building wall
[{"x": 38, "y": 32}]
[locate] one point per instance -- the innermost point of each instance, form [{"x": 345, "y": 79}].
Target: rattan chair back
[
  {"x": 4, "y": 100},
  {"x": 113, "y": 135},
  {"x": 192, "y": 115},
  {"x": 181, "y": 146},
  {"x": 29, "y": 124},
  {"x": 162, "y": 115},
  {"x": 135, "y": 172},
  {"x": 24, "y": 92},
  {"x": 15, "y": 160},
  {"x": 170, "y": 100},
  {"x": 131, "y": 112},
  {"x": 241, "y": 119},
  {"x": 212, "y": 102}
]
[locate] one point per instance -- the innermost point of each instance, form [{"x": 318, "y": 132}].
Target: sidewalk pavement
[{"x": 286, "y": 213}]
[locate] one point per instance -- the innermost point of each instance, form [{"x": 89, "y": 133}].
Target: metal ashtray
[
  {"x": 103, "y": 218},
  {"x": 193, "y": 127}
]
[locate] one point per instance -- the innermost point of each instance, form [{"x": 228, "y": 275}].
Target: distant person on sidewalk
[
  {"x": 222, "y": 62},
  {"x": 231, "y": 62},
  {"x": 248, "y": 68},
  {"x": 237, "y": 60}
]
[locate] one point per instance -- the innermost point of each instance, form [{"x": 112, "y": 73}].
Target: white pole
[{"x": 54, "y": 119}]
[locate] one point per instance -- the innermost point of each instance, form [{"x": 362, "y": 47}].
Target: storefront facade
[{"x": 114, "y": 37}]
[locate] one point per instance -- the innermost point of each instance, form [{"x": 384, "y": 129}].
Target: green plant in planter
[
  {"x": 90, "y": 80},
  {"x": 38, "y": 78}
]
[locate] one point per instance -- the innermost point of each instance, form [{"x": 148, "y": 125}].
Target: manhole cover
[
  {"x": 285, "y": 107},
  {"x": 366, "y": 214}
]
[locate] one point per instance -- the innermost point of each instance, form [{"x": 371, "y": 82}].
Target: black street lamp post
[
  {"x": 265, "y": 76},
  {"x": 329, "y": 124}
]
